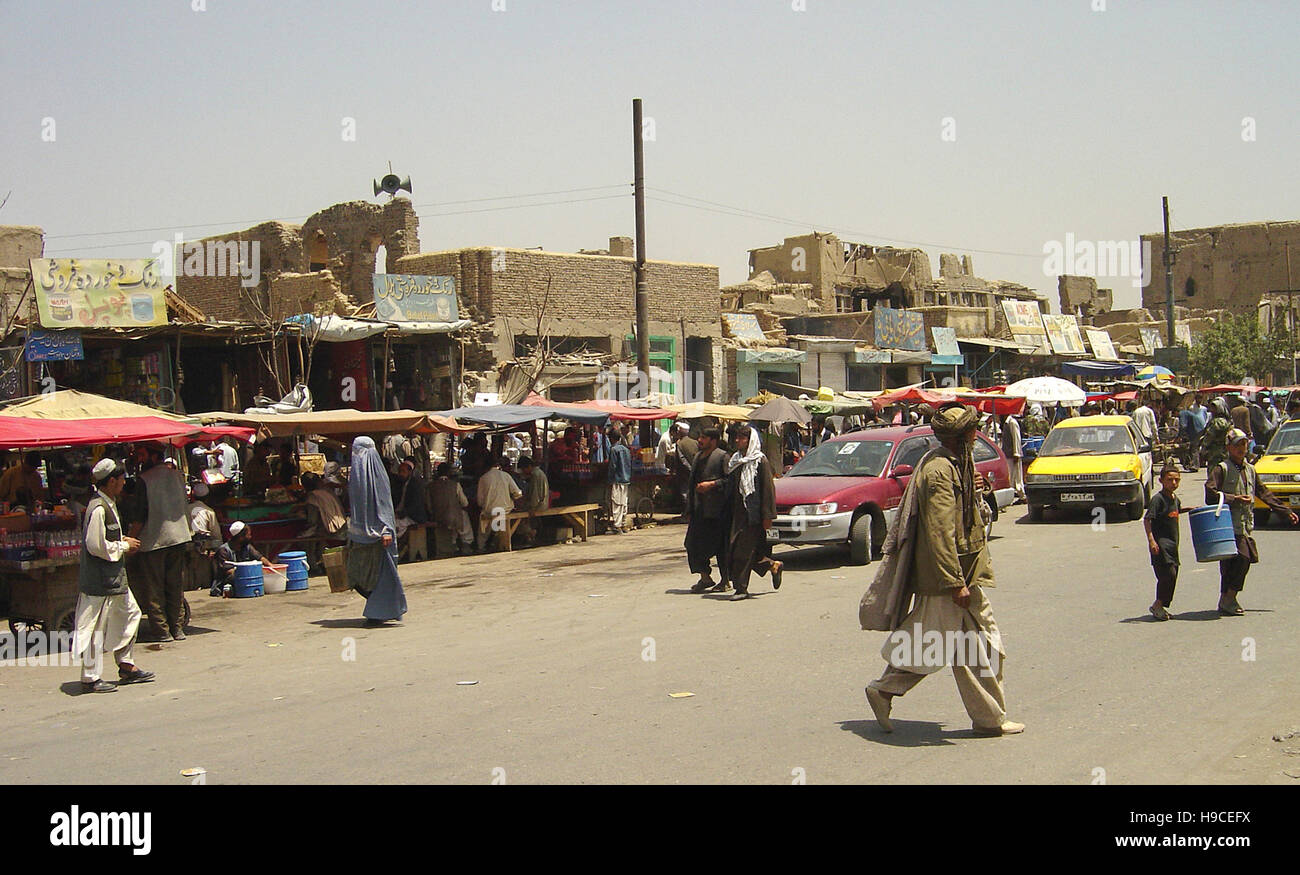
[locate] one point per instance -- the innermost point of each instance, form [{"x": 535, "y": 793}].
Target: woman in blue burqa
[{"x": 372, "y": 533}]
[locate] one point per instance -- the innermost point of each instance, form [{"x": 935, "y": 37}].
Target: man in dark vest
[
  {"x": 107, "y": 614},
  {"x": 706, "y": 531},
  {"x": 1235, "y": 479},
  {"x": 162, "y": 523}
]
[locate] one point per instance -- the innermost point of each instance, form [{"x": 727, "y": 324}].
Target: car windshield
[
  {"x": 1287, "y": 440},
  {"x": 864, "y": 458},
  {"x": 1088, "y": 440}
]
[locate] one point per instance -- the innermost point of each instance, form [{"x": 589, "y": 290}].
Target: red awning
[
  {"x": 216, "y": 432},
  {"x": 18, "y": 432},
  {"x": 1231, "y": 387},
  {"x": 984, "y": 402}
]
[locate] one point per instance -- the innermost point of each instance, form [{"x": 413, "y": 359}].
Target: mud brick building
[{"x": 583, "y": 305}]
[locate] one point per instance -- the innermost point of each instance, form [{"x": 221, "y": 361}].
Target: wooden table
[{"x": 579, "y": 515}]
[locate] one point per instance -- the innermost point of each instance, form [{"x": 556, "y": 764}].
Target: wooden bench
[{"x": 579, "y": 515}]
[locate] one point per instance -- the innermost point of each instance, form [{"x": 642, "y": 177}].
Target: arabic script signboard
[
  {"x": 898, "y": 329},
  {"x": 403, "y": 297},
  {"x": 86, "y": 293},
  {"x": 54, "y": 346}
]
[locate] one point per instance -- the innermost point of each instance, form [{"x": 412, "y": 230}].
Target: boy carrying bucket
[{"x": 1161, "y": 524}]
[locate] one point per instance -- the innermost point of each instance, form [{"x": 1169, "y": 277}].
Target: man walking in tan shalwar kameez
[{"x": 936, "y": 552}]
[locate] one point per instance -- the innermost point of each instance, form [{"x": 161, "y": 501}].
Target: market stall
[
  {"x": 651, "y": 483},
  {"x": 276, "y": 514},
  {"x": 40, "y": 545}
]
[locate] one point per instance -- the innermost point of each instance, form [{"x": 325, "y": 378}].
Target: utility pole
[
  {"x": 1169, "y": 280},
  {"x": 1290, "y": 312},
  {"x": 642, "y": 302}
]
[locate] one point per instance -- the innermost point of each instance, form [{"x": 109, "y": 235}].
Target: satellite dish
[{"x": 391, "y": 184}]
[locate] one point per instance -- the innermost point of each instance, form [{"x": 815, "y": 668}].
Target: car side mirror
[{"x": 901, "y": 471}]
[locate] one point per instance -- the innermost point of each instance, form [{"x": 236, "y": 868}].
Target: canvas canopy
[
  {"x": 614, "y": 409},
  {"x": 506, "y": 415},
  {"x": 71, "y": 404},
  {"x": 701, "y": 409},
  {"x": 1097, "y": 369},
  {"x": 339, "y": 423}
]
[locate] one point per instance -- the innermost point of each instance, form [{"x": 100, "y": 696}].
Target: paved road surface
[{"x": 559, "y": 639}]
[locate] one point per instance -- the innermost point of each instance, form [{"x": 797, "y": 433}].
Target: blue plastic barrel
[
  {"x": 1212, "y": 533},
  {"x": 248, "y": 580},
  {"x": 297, "y": 570}
]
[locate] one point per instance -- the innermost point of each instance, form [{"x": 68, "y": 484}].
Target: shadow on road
[
  {"x": 814, "y": 558},
  {"x": 349, "y": 623},
  {"x": 1198, "y": 615},
  {"x": 907, "y": 733},
  {"x": 1082, "y": 516}
]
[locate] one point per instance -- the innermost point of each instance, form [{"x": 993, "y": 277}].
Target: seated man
[
  {"x": 448, "y": 502},
  {"x": 497, "y": 492},
  {"x": 238, "y": 549},
  {"x": 409, "y": 498},
  {"x": 325, "y": 517},
  {"x": 537, "y": 496}
]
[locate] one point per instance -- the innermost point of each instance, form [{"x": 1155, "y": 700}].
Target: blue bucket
[
  {"x": 248, "y": 580},
  {"x": 1212, "y": 535},
  {"x": 297, "y": 570}
]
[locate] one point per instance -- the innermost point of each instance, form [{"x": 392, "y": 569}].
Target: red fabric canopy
[
  {"x": 984, "y": 402},
  {"x": 613, "y": 408},
  {"x": 18, "y": 432},
  {"x": 1231, "y": 387}
]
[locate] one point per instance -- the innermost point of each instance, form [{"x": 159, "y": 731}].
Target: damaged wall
[
  {"x": 1225, "y": 266},
  {"x": 341, "y": 240}
]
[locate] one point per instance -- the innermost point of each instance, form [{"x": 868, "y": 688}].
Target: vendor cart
[{"x": 42, "y": 594}]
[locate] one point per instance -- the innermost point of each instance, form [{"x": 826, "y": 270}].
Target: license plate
[
  {"x": 1076, "y": 496},
  {"x": 1293, "y": 500},
  {"x": 773, "y": 534}
]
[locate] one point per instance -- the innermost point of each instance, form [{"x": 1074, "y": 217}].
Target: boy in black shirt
[{"x": 1161, "y": 523}]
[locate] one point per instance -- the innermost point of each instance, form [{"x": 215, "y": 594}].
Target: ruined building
[
  {"x": 1229, "y": 267},
  {"x": 581, "y": 306},
  {"x": 308, "y": 266},
  {"x": 1079, "y": 296}
]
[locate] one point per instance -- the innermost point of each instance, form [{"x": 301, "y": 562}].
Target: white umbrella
[{"x": 1048, "y": 390}]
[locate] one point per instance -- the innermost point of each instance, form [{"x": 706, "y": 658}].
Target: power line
[
  {"x": 742, "y": 212},
  {"x": 308, "y": 215},
  {"x": 426, "y": 216}
]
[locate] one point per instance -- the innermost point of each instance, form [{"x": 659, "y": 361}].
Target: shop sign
[
  {"x": 54, "y": 346},
  {"x": 86, "y": 293},
  {"x": 403, "y": 297},
  {"x": 898, "y": 329}
]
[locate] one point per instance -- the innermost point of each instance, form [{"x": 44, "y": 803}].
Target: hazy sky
[{"x": 1066, "y": 120}]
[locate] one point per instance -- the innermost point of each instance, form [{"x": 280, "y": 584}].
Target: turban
[{"x": 954, "y": 419}]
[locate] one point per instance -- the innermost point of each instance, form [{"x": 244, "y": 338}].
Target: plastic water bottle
[{"x": 227, "y": 591}]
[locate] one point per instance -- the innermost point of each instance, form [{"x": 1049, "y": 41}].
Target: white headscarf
[{"x": 749, "y": 461}]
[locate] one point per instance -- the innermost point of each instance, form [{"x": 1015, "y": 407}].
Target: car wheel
[
  {"x": 860, "y": 540},
  {"x": 1262, "y": 517},
  {"x": 1036, "y": 513}
]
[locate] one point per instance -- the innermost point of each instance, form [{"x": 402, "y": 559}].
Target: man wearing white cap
[
  {"x": 107, "y": 614},
  {"x": 238, "y": 549},
  {"x": 1234, "y": 479}
]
